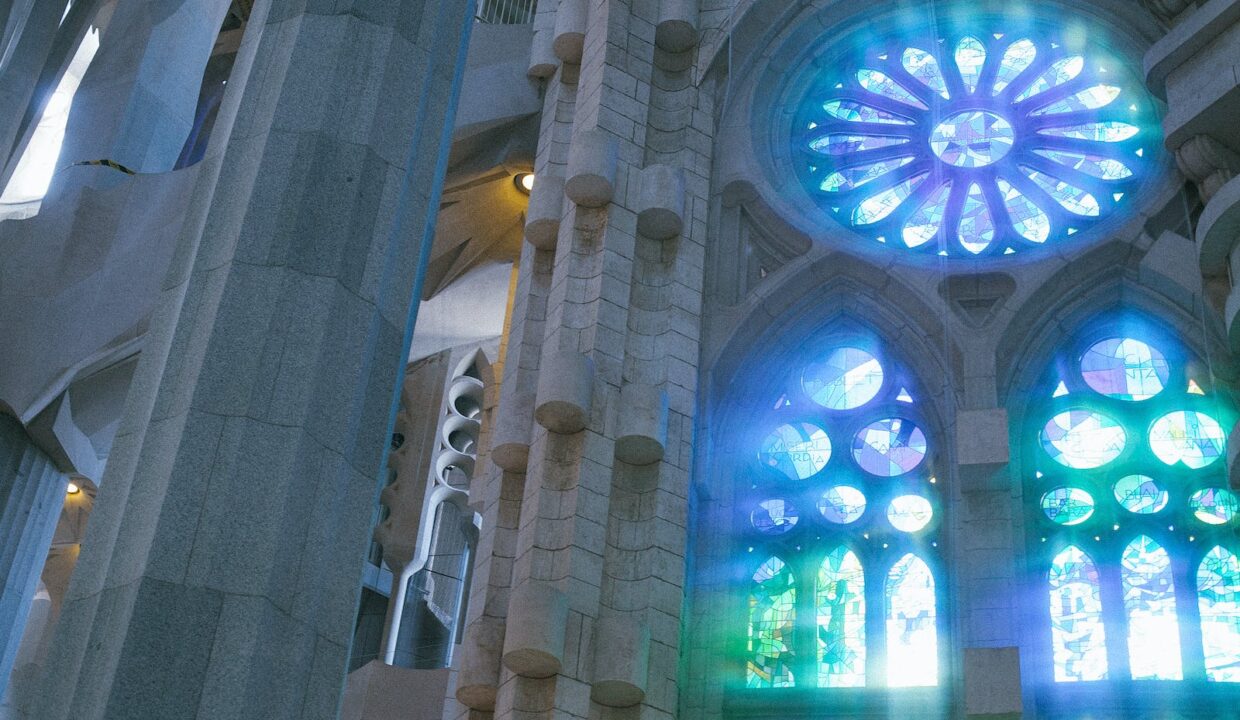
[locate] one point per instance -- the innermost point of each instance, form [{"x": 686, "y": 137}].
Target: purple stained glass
[
  {"x": 1125, "y": 368},
  {"x": 889, "y": 447},
  {"x": 774, "y": 517}
]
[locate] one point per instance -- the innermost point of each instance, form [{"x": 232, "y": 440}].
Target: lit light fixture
[
  {"x": 72, "y": 489},
  {"x": 524, "y": 182}
]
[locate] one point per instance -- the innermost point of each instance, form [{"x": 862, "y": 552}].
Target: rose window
[{"x": 971, "y": 146}]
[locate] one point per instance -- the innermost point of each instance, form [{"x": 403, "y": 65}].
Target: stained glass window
[
  {"x": 1124, "y": 444},
  {"x": 838, "y": 522},
  {"x": 772, "y": 617},
  {"x": 984, "y": 143}
]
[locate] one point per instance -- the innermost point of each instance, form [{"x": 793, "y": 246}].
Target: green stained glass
[
  {"x": 912, "y": 635},
  {"x": 1016, "y": 59},
  {"x": 859, "y": 112},
  {"x": 880, "y": 205},
  {"x": 1140, "y": 494},
  {"x": 881, "y": 84},
  {"x": 1214, "y": 506},
  {"x": 972, "y": 139},
  {"x": 1218, "y": 600},
  {"x": 1027, "y": 218},
  {"x": 1068, "y": 506},
  {"x": 1083, "y": 439},
  {"x": 1188, "y": 437},
  {"x": 772, "y": 619},
  {"x": 1072, "y": 198},
  {"x": 841, "y": 620},
  {"x": 923, "y": 66},
  {"x": 848, "y": 378},
  {"x": 1149, "y": 599},
  {"x": 799, "y": 450},
  {"x": 845, "y": 144},
  {"x": 970, "y": 59},
  {"x": 1107, "y": 132},
  {"x": 1057, "y": 74},
  {"x": 924, "y": 224},
  {"x": 1092, "y": 98},
  {"x": 1125, "y": 368},
  {"x": 851, "y": 178},
  {"x": 909, "y": 513},
  {"x": 977, "y": 225},
  {"x": 1099, "y": 166},
  {"x": 842, "y": 504},
  {"x": 1078, "y": 636}
]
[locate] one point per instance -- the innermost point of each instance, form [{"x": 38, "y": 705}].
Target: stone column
[
  {"x": 32, "y": 47},
  {"x": 222, "y": 567},
  {"x": 32, "y": 490}
]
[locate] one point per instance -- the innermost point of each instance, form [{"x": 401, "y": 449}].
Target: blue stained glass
[
  {"x": 880, "y": 205},
  {"x": 842, "y": 504},
  {"x": 1149, "y": 598},
  {"x": 1092, "y": 98},
  {"x": 1083, "y": 439},
  {"x": 1218, "y": 599},
  {"x": 912, "y": 635},
  {"x": 977, "y": 226},
  {"x": 1214, "y": 506},
  {"x": 859, "y": 112},
  {"x": 881, "y": 84},
  {"x": 924, "y": 224},
  {"x": 909, "y": 513},
  {"x": 970, "y": 59},
  {"x": 848, "y": 378},
  {"x": 1105, "y": 132},
  {"x": 841, "y": 620},
  {"x": 1099, "y": 166},
  {"x": 774, "y": 517},
  {"x": 1078, "y": 636},
  {"x": 1188, "y": 437},
  {"x": 972, "y": 139},
  {"x": 923, "y": 66},
  {"x": 1125, "y": 368},
  {"x": 772, "y": 620},
  {"x": 798, "y": 451},
  {"x": 851, "y": 178},
  {"x": 1027, "y": 218},
  {"x": 1016, "y": 59},
  {"x": 1068, "y": 506},
  {"x": 1072, "y": 198},
  {"x": 1140, "y": 494},
  {"x": 1057, "y": 74},
  {"x": 889, "y": 447},
  {"x": 844, "y": 144}
]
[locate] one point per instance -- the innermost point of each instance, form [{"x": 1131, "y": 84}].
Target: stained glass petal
[
  {"x": 859, "y": 112},
  {"x": 799, "y": 450},
  {"x": 1016, "y": 59},
  {"x": 881, "y": 84},
  {"x": 970, "y": 59},
  {"x": 1188, "y": 437},
  {"x": 977, "y": 225},
  {"x": 1107, "y": 132},
  {"x": 1125, "y": 368},
  {"x": 1218, "y": 599},
  {"x": 923, "y": 66},
  {"x": 1078, "y": 635},
  {"x": 924, "y": 224},
  {"x": 1099, "y": 166},
  {"x": 845, "y": 144},
  {"x": 841, "y": 620},
  {"x": 880, "y": 205},
  {"x": 1062, "y": 71},
  {"x": 1029, "y": 220},
  {"x": 1090, "y": 98},
  {"x": 1072, "y": 198},
  {"x": 1149, "y": 599},
  {"x": 1083, "y": 439},
  {"x": 854, "y": 177},
  {"x": 912, "y": 634},
  {"x": 889, "y": 447}
]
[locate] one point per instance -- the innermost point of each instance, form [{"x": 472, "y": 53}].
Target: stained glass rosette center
[{"x": 980, "y": 144}]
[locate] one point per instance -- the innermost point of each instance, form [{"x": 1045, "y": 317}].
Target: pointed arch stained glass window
[
  {"x": 841, "y": 620},
  {"x": 772, "y": 617},
  {"x": 1078, "y": 635},
  {"x": 912, "y": 637},
  {"x": 1218, "y": 599},
  {"x": 1149, "y": 598},
  {"x": 975, "y": 144}
]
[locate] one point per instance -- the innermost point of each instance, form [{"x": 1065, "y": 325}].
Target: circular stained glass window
[
  {"x": 1193, "y": 438},
  {"x": 889, "y": 447},
  {"x": 799, "y": 451},
  {"x": 1068, "y": 506},
  {"x": 842, "y": 504},
  {"x": 847, "y": 379},
  {"x": 909, "y": 513},
  {"x": 774, "y": 517},
  {"x": 1083, "y": 439},
  {"x": 1140, "y": 494},
  {"x": 1214, "y": 506},
  {"x": 979, "y": 144},
  {"x": 1126, "y": 369}
]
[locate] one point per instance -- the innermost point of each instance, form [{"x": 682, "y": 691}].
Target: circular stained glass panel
[
  {"x": 889, "y": 447},
  {"x": 1125, "y": 368},
  {"x": 1214, "y": 506},
  {"x": 982, "y": 144},
  {"x": 1083, "y": 439},
  {"x": 842, "y": 504},
  {"x": 1140, "y": 494},
  {"x": 798, "y": 450},
  {"x": 774, "y": 517},
  {"x": 1068, "y": 506},
  {"x": 1188, "y": 437},
  {"x": 848, "y": 378},
  {"x": 909, "y": 513}
]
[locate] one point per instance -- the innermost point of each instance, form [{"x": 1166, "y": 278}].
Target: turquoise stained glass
[
  {"x": 842, "y": 504},
  {"x": 774, "y": 517},
  {"x": 1140, "y": 494},
  {"x": 772, "y": 619},
  {"x": 1078, "y": 635},
  {"x": 1192, "y": 438},
  {"x": 841, "y": 620},
  {"x": 1214, "y": 506},
  {"x": 1068, "y": 505},
  {"x": 1005, "y": 143},
  {"x": 1083, "y": 439},
  {"x": 1125, "y": 368},
  {"x": 889, "y": 447},
  {"x": 1149, "y": 599},
  {"x": 909, "y": 513},
  {"x": 847, "y": 378},
  {"x": 799, "y": 450},
  {"x": 912, "y": 635},
  {"x": 1218, "y": 600}
]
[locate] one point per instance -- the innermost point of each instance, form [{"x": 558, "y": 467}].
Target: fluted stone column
[
  {"x": 222, "y": 567},
  {"x": 31, "y": 492}
]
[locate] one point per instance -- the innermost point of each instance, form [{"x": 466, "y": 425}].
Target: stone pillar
[
  {"x": 32, "y": 490},
  {"x": 222, "y": 567},
  {"x": 29, "y": 55}
]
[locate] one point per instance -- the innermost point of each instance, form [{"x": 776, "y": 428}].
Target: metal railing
[{"x": 506, "y": 12}]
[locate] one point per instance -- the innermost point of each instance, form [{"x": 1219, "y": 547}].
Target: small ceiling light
[
  {"x": 524, "y": 182},
  {"x": 72, "y": 489}
]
